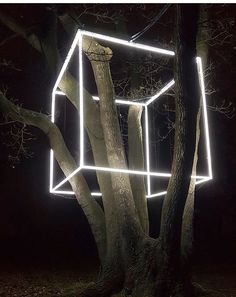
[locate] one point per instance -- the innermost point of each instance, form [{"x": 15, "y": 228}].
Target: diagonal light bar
[
  {"x": 206, "y": 126},
  {"x": 67, "y": 178},
  {"x": 163, "y": 90},
  {"x": 128, "y": 43}
]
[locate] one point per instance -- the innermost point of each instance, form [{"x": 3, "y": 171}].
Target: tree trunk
[{"x": 186, "y": 103}]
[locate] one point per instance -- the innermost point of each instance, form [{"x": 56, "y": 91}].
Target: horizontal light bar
[
  {"x": 157, "y": 194},
  {"x": 62, "y": 192},
  {"x": 118, "y": 101},
  {"x": 163, "y": 90},
  {"x": 57, "y": 92},
  {"x": 202, "y": 181},
  {"x": 128, "y": 171},
  {"x": 96, "y": 194},
  {"x": 125, "y": 102},
  {"x": 128, "y": 43}
]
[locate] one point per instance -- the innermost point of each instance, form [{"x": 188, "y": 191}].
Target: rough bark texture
[
  {"x": 186, "y": 102},
  {"x": 136, "y": 162},
  {"x": 188, "y": 216}
]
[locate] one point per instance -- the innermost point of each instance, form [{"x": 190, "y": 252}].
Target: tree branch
[
  {"x": 12, "y": 25},
  {"x": 136, "y": 162},
  {"x": 66, "y": 162}
]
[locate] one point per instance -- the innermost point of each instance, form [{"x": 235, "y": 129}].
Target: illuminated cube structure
[{"x": 78, "y": 40}]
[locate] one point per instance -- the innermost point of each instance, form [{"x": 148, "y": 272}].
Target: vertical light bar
[
  {"x": 51, "y": 171},
  {"x": 53, "y": 106},
  {"x": 147, "y": 151},
  {"x": 81, "y": 102},
  {"x": 206, "y": 126}
]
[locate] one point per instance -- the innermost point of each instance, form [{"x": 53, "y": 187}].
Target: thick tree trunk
[
  {"x": 188, "y": 216},
  {"x": 187, "y": 102}
]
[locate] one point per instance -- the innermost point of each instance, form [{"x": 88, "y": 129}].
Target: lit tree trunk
[{"x": 188, "y": 216}]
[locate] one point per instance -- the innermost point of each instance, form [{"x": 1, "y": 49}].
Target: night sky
[{"x": 37, "y": 228}]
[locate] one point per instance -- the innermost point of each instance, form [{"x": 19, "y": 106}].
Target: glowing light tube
[
  {"x": 202, "y": 86},
  {"x": 66, "y": 179},
  {"x": 157, "y": 194},
  {"x": 147, "y": 151},
  {"x": 123, "y": 102},
  {"x": 128, "y": 43},
  {"x": 60, "y": 93},
  {"x": 81, "y": 102},
  {"x": 163, "y": 90},
  {"x": 51, "y": 170}
]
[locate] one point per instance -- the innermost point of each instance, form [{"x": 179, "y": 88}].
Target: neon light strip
[
  {"x": 96, "y": 194},
  {"x": 147, "y": 151},
  {"x": 51, "y": 166},
  {"x": 81, "y": 103},
  {"x": 126, "y": 171},
  {"x": 125, "y": 102},
  {"x": 57, "y": 92},
  {"x": 163, "y": 90},
  {"x": 202, "y": 85},
  {"x": 202, "y": 181},
  {"x": 128, "y": 43},
  {"x": 66, "y": 179},
  {"x": 72, "y": 193},
  {"x": 62, "y": 192},
  {"x": 157, "y": 195}
]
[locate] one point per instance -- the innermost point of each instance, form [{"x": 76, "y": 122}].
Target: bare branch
[
  {"x": 94, "y": 212},
  {"x": 28, "y": 35}
]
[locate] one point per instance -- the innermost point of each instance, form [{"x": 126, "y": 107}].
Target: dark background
[{"x": 38, "y": 229}]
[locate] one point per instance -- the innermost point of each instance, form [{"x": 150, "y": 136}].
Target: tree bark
[
  {"x": 186, "y": 103},
  {"x": 188, "y": 216},
  {"x": 136, "y": 162}
]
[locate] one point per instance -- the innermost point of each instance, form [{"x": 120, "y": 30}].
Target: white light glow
[
  {"x": 205, "y": 117},
  {"x": 81, "y": 102},
  {"x": 162, "y": 91},
  {"x": 157, "y": 194},
  {"x": 123, "y": 102},
  {"x": 128, "y": 43},
  {"x": 66, "y": 179},
  {"x": 57, "y": 92},
  {"x": 96, "y": 194},
  {"x": 51, "y": 170},
  {"x": 147, "y": 151},
  {"x": 118, "y": 170},
  {"x": 82, "y": 165}
]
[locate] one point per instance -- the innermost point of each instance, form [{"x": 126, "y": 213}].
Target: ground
[{"x": 220, "y": 279}]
